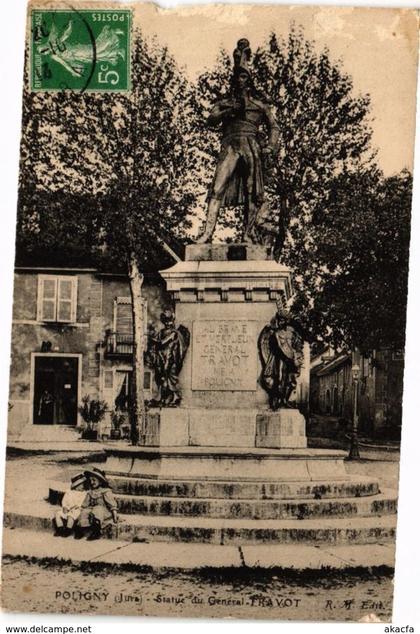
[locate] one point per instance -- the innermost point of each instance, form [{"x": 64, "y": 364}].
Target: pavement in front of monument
[
  {"x": 33, "y": 586},
  {"x": 228, "y": 581}
]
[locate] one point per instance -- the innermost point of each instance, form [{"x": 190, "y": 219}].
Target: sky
[{"x": 378, "y": 47}]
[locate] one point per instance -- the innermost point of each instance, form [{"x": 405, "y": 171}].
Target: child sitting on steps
[
  {"x": 66, "y": 518},
  {"x": 99, "y": 509}
]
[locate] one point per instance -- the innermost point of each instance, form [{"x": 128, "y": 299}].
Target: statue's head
[
  {"x": 241, "y": 76},
  {"x": 242, "y": 79},
  {"x": 283, "y": 315},
  {"x": 243, "y": 44},
  {"x": 279, "y": 322},
  {"x": 167, "y": 317}
]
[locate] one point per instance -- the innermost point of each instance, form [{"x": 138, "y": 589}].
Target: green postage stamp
[{"x": 80, "y": 49}]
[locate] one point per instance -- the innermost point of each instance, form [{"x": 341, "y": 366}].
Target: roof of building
[
  {"x": 332, "y": 365},
  {"x": 322, "y": 357}
]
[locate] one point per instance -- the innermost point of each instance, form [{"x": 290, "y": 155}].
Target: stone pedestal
[
  {"x": 225, "y": 295},
  {"x": 224, "y": 427},
  {"x": 285, "y": 429}
]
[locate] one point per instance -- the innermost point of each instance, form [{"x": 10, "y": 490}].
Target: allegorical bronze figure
[
  {"x": 239, "y": 171},
  {"x": 166, "y": 352},
  {"x": 280, "y": 345}
]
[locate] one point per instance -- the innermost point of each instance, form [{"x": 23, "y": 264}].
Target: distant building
[
  {"x": 72, "y": 336},
  {"x": 330, "y": 385},
  {"x": 380, "y": 389}
]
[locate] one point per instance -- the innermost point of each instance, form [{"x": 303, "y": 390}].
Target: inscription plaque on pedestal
[{"x": 224, "y": 355}]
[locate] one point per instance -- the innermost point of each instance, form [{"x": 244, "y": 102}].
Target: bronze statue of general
[{"x": 239, "y": 172}]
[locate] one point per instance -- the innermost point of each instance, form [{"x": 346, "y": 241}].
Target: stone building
[
  {"x": 71, "y": 337},
  {"x": 380, "y": 389}
]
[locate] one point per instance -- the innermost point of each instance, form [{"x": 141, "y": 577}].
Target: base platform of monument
[
  {"x": 228, "y": 463},
  {"x": 234, "y": 427},
  {"x": 235, "y": 497}
]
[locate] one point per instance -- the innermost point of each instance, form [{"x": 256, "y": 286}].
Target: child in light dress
[{"x": 71, "y": 505}]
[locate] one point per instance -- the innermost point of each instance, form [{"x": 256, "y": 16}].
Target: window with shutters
[
  {"x": 57, "y": 298},
  {"x": 123, "y": 316},
  {"x": 122, "y": 337},
  {"x": 119, "y": 340}
]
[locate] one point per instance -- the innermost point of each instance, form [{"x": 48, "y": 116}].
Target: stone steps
[
  {"x": 256, "y": 509},
  {"x": 337, "y": 531},
  {"x": 169, "y": 496},
  {"x": 258, "y": 490}
]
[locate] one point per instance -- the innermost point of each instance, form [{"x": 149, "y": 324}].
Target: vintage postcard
[{"x": 209, "y": 316}]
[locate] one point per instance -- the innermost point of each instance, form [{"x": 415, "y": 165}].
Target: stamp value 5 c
[{"x": 80, "y": 49}]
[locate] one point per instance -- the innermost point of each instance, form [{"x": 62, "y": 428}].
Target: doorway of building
[{"x": 55, "y": 390}]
